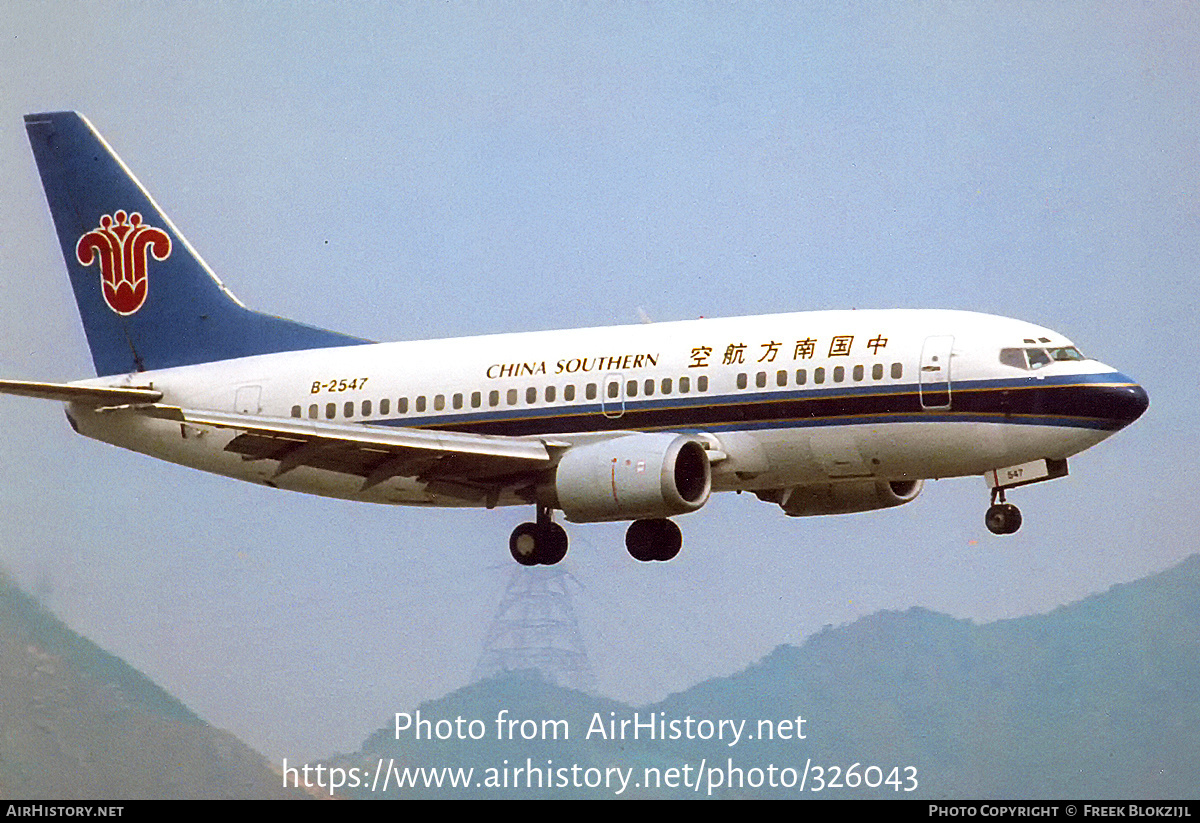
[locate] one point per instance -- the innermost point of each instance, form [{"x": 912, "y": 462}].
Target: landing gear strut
[
  {"x": 1001, "y": 517},
  {"x": 544, "y": 542},
  {"x": 541, "y": 543},
  {"x": 656, "y": 539}
]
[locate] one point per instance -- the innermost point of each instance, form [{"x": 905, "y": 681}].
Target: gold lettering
[{"x": 573, "y": 365}]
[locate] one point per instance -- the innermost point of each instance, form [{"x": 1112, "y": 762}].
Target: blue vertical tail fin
[{"x": 146, "y": 298}]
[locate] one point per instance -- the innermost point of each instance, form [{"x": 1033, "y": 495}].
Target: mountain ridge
[
  {"x": 79, "y": 723},
  {"x": 1094, "y": 699}
]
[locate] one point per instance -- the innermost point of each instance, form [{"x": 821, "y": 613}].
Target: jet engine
[
  {"x": 633, "y": 477},
  {"x": 842, "y": 497}
]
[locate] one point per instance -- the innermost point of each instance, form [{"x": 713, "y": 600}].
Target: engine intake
[{"x": 633, "y": 477}]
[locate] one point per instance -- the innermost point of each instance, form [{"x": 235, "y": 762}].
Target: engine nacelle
[
  {"x": 843, "y": 497},
  {"x": 633, "y": 477}
]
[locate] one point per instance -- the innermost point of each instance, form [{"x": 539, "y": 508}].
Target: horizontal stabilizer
[{"x": 91, "y": 395}]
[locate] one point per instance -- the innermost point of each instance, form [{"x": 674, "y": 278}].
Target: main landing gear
[
  {"x": 657, "y": 539},
  {"x": 544, "y": 542},
  {"x": 1001, "y": 517}
]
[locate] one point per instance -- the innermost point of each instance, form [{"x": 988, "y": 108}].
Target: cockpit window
[
  {"x": 1066, "y": 353},
  {"x": 1035, "y": 357},
  {"x": 1014, "y": 358}
]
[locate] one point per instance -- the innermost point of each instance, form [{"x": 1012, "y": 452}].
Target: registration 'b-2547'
[{"x": 824, "y": 412}]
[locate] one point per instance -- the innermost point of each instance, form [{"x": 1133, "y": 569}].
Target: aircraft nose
[{"x": 1120, "y": 402}]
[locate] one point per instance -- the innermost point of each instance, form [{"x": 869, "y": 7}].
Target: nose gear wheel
[{"x": 1002, "y": 517}]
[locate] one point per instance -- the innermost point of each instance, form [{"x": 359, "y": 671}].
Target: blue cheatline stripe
[{"x": 1099, "y": 402}]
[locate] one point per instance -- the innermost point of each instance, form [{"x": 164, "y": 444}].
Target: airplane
[{"x": 825, "y": 412}]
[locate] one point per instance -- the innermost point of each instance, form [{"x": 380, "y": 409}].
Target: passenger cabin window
[
  {"x": 366, "y": 408},
  {"x": 760, "y": 379},
  {"x": 781, "y": 378},
  {"x": 685, "y": 385},
  {"x": 702, "y": 383},
  {"x": 457, "y": 400},
  {"x": 741, "y": 380},
  {"x": 421, "y": 403},
  {"x": 494, "y": 398},
  {"x": 295, "y": 411},
  {"x": 550, "y": 393},
  {"x": 312, "y": 412},
  {"x": 511, "y": 397},
  {"x": 666, "y": 385},
  {"x": 897, "y": 371},
  {"x": 569, "y": 393},
  {"x": 402, "y": 405},
  {"x": 590, "y": 392},
  {"x": 531, "y": 395},
  {"x": 819, "y": 375},
  {"x": 348, "y": 409},
  {"x": 877, "y": 371},
  {"x": 385, "y": 406},
  {"x": 839, "y": 374},
  {"x": 858, "y": 373}
]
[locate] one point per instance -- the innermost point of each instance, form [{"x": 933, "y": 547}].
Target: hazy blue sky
[{"x": 439, "y": 169}]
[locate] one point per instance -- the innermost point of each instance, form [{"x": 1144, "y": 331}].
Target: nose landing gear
[
  {"x": 1002, "y": 517},
  {"x": 1005, "y": 518}
]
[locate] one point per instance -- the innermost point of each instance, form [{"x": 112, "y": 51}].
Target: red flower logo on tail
[{"x": 121, "y": 243}]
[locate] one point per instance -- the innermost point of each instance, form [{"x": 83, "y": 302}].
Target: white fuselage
[{"x": 786, "y": 400}]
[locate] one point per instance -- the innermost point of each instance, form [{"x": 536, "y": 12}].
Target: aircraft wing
[
  {"x": 90, "y": 395},
  {"x": 471, "y": 466}
]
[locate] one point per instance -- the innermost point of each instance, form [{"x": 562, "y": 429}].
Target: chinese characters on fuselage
[{"x": 840, "y": 345}]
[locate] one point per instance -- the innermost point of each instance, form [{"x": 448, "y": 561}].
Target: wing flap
[{"x": 375, "y": 453}]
